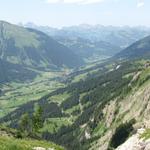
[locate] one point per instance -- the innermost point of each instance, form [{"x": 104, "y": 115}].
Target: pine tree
[
  {"x": 25, "y": 126},
  {"x": 37, "y": 119}
]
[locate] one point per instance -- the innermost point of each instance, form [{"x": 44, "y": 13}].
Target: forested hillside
[
  {"x": 139, "y": 49},
  {"x": 33, "y": 48},
  {"x": 25, "y": 52}
]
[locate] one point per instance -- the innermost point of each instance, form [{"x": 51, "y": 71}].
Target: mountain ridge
[
  {"x": 25, "y": 52},
  {"x": 89, "y": 50},
  {"x": 121, "y": 36},
  {"x": 20, "y": 44},
  {"x": 138, "y": 49}
]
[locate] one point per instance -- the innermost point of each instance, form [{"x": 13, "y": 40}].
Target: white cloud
[
  {"x": 75, "y": 1},
  {"x": 140, "y": 3},
  {"x": 92, "y": 1},
  {"x": 53, "y": 1}
]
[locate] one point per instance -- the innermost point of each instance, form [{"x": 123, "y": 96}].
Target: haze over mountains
[
  {"x": 93, "y": 42},
  {"x": 89, "y": 50},
  {"x": 119, "y": 36},
  {"x": 25, "y": 49}
]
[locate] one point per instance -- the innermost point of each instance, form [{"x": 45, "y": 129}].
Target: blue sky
[{"x": 58, "y": 13}]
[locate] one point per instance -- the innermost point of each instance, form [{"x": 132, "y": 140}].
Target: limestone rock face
[
  {"x": 147, "y": 147},
  {"x": 135, "y": 142},
  {"x": 41, "y": 148}
]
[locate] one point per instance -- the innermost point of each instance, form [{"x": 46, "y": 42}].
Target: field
[{"x": 14, "y": 94}]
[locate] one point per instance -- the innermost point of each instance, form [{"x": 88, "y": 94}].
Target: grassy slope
[{"x": 10, "y": 143}]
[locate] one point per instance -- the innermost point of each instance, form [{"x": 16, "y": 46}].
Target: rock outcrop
[{"x": 135, "y": 142}]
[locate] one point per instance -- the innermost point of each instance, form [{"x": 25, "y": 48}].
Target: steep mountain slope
[
  {"x": 139, "y": 49},
  {"x": 34, "y": 49},
  {"x": 88, "y": 49},
  {"x": 125, "y": 116}
]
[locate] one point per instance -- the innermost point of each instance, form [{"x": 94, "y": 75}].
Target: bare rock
[{"x": 39, "y": 148}]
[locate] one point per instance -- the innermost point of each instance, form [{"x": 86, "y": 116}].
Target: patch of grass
[
  {"x": 79, "y": 77},
  {"x": 100, "y": 129},
  {"x": 9, "y": 143},
  {"x": 60, "y": 97},
  {"x": 145, "y": 76},
  {"x": 71, "y": 110},
  {"x": 146, "y": 134}
]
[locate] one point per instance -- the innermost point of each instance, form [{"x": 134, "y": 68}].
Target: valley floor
[{"x": 15, "y": 94}]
